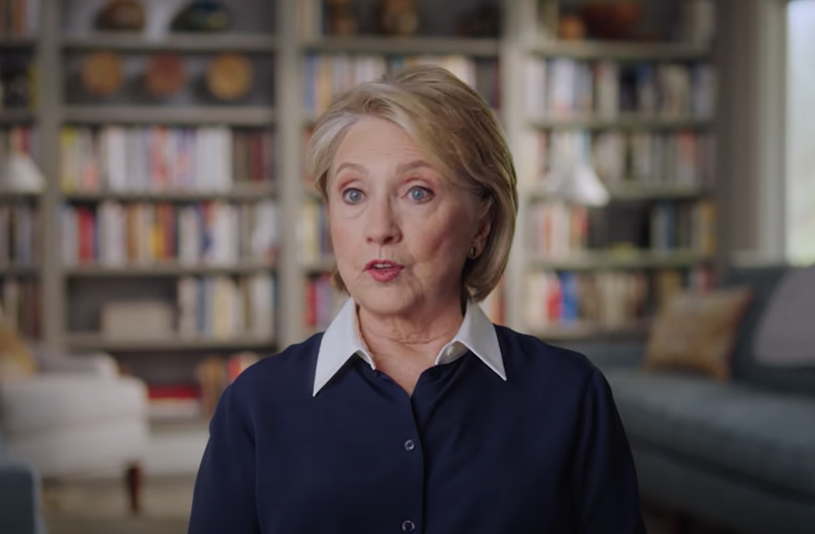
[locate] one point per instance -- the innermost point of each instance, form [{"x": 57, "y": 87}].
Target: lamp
[
  {"x": 19, "y": 173},
  {"x": 577, "y": 183}
]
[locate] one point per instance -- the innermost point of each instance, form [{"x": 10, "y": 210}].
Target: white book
[{"x": 536, "y": 87}]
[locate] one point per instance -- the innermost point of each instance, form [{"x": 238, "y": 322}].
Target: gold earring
[{"x": 473, "y": 253}]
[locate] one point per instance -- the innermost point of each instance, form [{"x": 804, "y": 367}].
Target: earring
[{"x": 473, "y": 253}]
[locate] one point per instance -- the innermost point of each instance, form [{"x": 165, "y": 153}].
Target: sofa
[{"x": 739, "y": 455}]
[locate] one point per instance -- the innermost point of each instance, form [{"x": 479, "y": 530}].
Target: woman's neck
[{"x": 412, "y": 341}]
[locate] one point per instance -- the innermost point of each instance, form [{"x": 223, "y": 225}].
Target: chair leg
[{"x": 134, "y": 487}]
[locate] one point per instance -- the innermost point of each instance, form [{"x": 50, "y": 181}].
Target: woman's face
[{"x": 401, "y": 232}]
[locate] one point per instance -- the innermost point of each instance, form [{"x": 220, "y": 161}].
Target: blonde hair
[{"x": 459, "y": 133}]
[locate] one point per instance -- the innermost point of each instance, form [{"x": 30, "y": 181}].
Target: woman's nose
[{"x": 382, "y": 226}]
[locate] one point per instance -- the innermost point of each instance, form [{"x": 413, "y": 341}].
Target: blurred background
[{"x": 159, "y": 232}]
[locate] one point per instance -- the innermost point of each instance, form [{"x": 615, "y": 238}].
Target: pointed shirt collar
[{"x": 342, "y": 340}]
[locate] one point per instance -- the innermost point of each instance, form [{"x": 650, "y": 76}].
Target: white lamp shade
[
  {"x": 578, "y": 184},
  {"x": 19, "y": 173}
]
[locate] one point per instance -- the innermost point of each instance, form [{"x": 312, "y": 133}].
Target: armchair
[{"x": 76, "y": 416}]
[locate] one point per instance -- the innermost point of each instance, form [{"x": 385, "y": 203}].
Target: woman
[{"x": 413, "y": 412}]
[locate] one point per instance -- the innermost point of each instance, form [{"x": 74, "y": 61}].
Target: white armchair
[{"x": 76, "y": 416}]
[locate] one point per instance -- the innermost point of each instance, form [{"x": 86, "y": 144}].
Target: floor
[{"x": 100, "y": 507}]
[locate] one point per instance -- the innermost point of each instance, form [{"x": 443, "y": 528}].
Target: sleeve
[
  {"x": 605, "y": 480},
  {"x": 224, "y": 495}
]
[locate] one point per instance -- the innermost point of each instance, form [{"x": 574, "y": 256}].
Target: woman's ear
[{"x": 484, "y": 225}]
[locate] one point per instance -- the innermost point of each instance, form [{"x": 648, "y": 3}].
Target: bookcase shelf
[
  {"x": 620, "y": 51},
  {"x": 323, "y": 265},
  {"x": 234, "y": 42},
  {"x": 613, "y": 261},
  {"x": 486, "y": 48},
  {"x": 19, "y": 195},
  {"x": 17, "y": 116},
  {"x": 236, "y": 194},
  {"x": 623, "y": 122},
  {"x": 193, "y": 115},
  {"x": 643, "y": 191},
  {"x": 584, "y": 329},
  {"x": 12, "y": 42},
  {"x": 164, "y": 270},
  {"x": 99, "y": 342},
  {"x": 19, "y": 270}
]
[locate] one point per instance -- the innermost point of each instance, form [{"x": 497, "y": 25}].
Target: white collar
[{"x": 342, "y": 340}]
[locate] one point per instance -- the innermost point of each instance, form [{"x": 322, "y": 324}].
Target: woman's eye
[
  {"x": 419, "y": 194},
  {"x": 352, "y": 196}
]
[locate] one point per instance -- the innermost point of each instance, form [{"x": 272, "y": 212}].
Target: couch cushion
[
  {"x": 763, "y": 281},
  {"x": 50, "y": 401},
  {"x": 785, "y": 335},
  {"x": 734, "y": 428}
]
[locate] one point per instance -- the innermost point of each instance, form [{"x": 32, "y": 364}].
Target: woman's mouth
[{"x": 383, "y": 270}]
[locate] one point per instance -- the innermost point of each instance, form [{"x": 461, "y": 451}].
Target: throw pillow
[
  {"x": 16, "y": 360},
  {"x": 697, "y": 331}
]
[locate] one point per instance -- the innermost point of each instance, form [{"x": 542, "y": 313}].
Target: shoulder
[
  {"x": 528, "y": 355},
  {"x": 287, "y": 373}
]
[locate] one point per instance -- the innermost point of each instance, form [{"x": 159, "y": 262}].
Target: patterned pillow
[
  {"x": 697, "y": 331},
  {"x": 16, "y": 360}
]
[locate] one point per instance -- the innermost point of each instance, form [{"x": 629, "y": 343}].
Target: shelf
[
  {"x": 622, "y": 122},
  {"x": 237, "y": 194},
  {"x": 100, "y": 342},
  {"x": 585, "y": 330},
  {"x": 16, "y": 116},
  {"x": 19, "y": 270},
  {"x": 19, "y": 195},
  {"x": 405, "y": 46},
  {"x": 234, "y": 115},
  {"x": 642, "y": 191},
  {"x": 620, "y": 260},
  {"x": 620, "y": 50},
  {"x": 169, "y": 269},
  {"x": 226, "y": 42},
  {"x": 17, "y": 41},
  {"x": 322, "y": 266}
]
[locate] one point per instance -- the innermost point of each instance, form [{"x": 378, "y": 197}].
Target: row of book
[
  {"x": 20, "y": 306},
  {"x": 606, "y": 299},
  {"x": 681, "y": 158},
  {"x": 224, "y": 307},
  {"x": 327, "y": 76},
  {"x": 19, "y": 18},
  {"x": 19, "y": 234},
  {"x": 161, "y": 158},
  {"x": 683, "y": 226},
  {"x": 211, "y": 233},
  {"x": 322, "y": 302},
  {"x": 195, "y": 400},
  {"x": 315, "y": 240},
  {"x": 558, "y": 230},
  {"x": 563, "y": 88},
  {"x": 20, "y": 139}
]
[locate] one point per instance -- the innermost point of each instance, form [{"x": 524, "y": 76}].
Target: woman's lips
[{"x": 383, "y": 270}]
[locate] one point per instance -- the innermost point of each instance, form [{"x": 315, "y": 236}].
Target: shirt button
[
  {"x": 410, "y": 445},
  {"x": 408, "y": 526}
]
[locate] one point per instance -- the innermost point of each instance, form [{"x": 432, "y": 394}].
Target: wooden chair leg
[{"x": 134, "y": 487}]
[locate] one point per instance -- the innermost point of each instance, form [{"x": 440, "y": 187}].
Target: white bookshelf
[{"x": 257, "y": 116}]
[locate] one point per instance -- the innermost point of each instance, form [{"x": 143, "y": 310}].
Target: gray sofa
[
  {"x": 19, "y": 497},
  {"x": 740, "y": 455}
]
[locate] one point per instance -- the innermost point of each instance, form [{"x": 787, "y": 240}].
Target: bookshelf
[
  {"x": 285, "y": 46},
  {"x": 21, "y": 212}
]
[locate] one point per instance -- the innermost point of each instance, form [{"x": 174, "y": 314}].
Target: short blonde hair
[{"x": 459, "y": 133}]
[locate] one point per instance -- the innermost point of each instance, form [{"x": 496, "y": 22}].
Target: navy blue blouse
[{"x": 542, "y": 452}]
